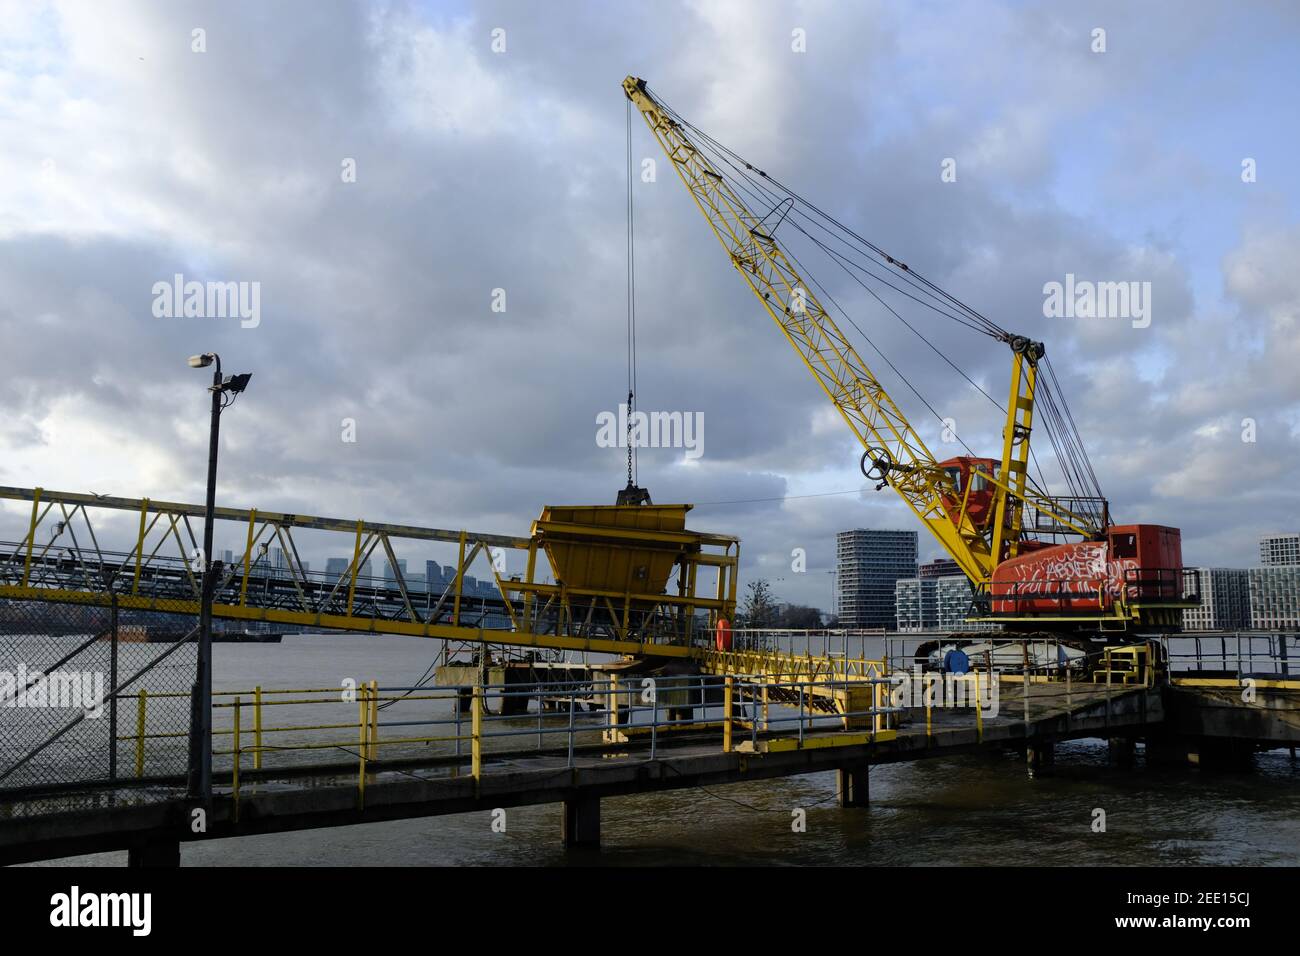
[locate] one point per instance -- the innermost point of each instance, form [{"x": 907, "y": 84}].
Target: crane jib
[{"x": 975, "y": 507}]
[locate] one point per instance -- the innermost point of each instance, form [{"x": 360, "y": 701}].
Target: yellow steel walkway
[{"x": 626, "y": 579}]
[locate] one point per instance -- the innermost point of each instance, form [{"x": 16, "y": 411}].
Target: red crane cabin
[{"x": 1134, "y": 567}]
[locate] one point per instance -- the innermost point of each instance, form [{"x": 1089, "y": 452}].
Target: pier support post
[
  {"x": 155, "y": 853},
  {"x": 853, "y": 785},
  {"x": 581, "y": 826},
  {"x": 1121, "y": 751},
  {"x": 1211, "y": 753},
  {"x": 1040, "y": 757},
  {"x": 617, "y": 704},
  {"x": 1215, "y": 753},
  {"x": 1167, "y": 749}
]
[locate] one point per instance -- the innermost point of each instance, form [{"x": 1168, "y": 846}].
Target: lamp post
[{"x": 200, "y": 775}]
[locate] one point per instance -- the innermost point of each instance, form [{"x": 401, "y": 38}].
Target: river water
[{"x": 963, "y": 811}]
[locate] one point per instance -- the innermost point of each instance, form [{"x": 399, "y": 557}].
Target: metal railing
[
  {"x": 1162, "y": 584},
  {"x": 1234, "y": 653},
  {"x": 452, "y": 730},
  {"x": 992, "y": 653},
  {"x": 844, "y": 643},
  {"x": 1051, "y": 675}
]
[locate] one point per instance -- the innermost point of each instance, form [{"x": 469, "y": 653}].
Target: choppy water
[{"x": 969, "y": 810}]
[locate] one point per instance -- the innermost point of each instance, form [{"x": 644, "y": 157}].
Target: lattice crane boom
[{"x": 898, "y": 456}]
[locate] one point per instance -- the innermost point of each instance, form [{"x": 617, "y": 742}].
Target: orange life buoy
[{"x": 724, "y": 634}]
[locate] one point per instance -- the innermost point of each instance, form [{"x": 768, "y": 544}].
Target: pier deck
[{"x": 273, "y": 801}]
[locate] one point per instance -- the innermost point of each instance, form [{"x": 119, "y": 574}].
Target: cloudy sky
[{"x": 127, "y": 157}]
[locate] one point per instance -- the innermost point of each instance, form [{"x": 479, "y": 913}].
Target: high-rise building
[
  {"x": 336, "y": 568},
  {"x": 281, "y": 564},
  {"x": 1279, "y": 549},
  {"x": 1225, "y": 600},
  {"x": 1275, "y": 587},
  {"x": 1275, "y": 596},
  {"x": 434, "y": 576},
  {"x": 938, "y": 568},
  {"x": 390, "y": 576},
  {"x": 912, "y": 610},
  {"x": 868, "y": 565},
  {"x": 953, "y": 595}
]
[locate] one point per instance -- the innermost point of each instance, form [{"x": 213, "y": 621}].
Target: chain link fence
[{"x": 94, "y": 701}]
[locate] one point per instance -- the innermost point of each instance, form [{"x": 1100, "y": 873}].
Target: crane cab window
[
  {"x": 955, "y": 475},
  {"x": 981, "y": 483},
  {"x": 1124, "y": 546}
]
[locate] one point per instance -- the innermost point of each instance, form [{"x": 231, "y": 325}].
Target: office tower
[
  {"x": 1279, "y": 549},
  {"x": 935, "y": 603},
  {"x": 1275, "y": 597},
  {"x": 939, "y": 568},
  {"x": 340, "y": 567},
  {"x": 390, "y": 576},
  {"x": 869, "y": 563}
]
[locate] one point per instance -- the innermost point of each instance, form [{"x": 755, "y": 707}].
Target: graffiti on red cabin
[{"x": 1080, "y": 570}]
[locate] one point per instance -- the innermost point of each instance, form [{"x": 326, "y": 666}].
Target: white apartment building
[{"x": 1225, "y": 601}]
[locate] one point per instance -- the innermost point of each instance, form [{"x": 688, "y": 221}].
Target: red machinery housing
[
  {"x": 975, "y": 490},
  {"x": 1131, "y": 573}
]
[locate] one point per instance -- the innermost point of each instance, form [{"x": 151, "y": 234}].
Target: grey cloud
[{"x": 478, "y": 171}]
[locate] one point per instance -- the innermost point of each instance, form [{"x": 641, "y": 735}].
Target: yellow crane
[
  {"x": 938, "y": 493},
  {"x": 987, "y": 513}
]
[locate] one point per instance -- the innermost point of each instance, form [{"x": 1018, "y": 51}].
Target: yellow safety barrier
[
  {"x": 234, "y": 774},
  {"x": 139, "y": 739},
  {"x": 727, "y": 703},
  {"x": 746, "y": 703},
  {"x": 476, "y": 732}
]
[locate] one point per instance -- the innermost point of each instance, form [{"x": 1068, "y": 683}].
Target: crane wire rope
[
  {"x": 1075, "y": 464},
  {"x": 633, "y": 462},
  {"x": 842, "y": 260}
]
